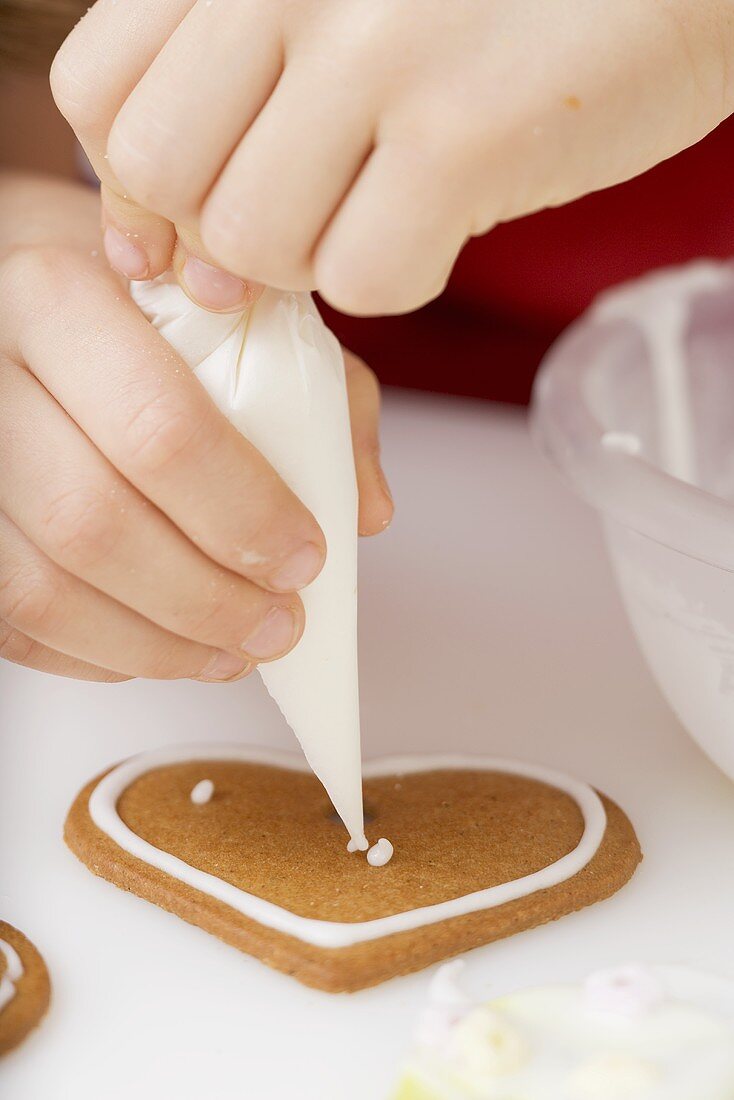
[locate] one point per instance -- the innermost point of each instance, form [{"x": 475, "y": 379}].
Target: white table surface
[{"x": 489, "y": 622}]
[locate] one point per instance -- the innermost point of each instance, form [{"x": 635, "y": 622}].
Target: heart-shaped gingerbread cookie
[{"x": 244, "y": 843}]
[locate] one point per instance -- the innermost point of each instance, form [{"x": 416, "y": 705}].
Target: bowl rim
[{"x": 624, "y": 486}]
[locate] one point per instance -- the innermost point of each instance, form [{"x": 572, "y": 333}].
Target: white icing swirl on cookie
[
  {"x": 331, "y": 934},
  {"x": 13, "y": 973}
]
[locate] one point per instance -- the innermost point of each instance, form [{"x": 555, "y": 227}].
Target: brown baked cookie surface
[
  {"x": 271, "y": 831},
  {"x": 24, "y": 997}
]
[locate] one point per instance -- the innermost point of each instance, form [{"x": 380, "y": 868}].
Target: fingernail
[
  {"x": 274, "y": 636},
  {"x": 299, "y": 569},
  {"x": 224, "y": 666},
  {"x": 125, "y": 254},
  {"x": 212, "y": 287}
]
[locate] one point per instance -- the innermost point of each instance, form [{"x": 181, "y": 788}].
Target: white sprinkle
[
  {"x": 380, "y": 853},
  {"x": 202, "y": 792}
]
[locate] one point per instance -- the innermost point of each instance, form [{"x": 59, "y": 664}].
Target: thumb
[{"x": 138, "y": 244}]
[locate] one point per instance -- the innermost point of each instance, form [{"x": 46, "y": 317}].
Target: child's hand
[
  {"x": 140, "y": 534},
  {"x": 354, "y": 145}
]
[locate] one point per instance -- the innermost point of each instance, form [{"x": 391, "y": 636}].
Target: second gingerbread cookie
[
  {"x": 25, "y": 988},
  {"x": 245, "y": 844}
]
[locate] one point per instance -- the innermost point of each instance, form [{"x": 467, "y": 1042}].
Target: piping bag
[{"x": 277, "y": 373}]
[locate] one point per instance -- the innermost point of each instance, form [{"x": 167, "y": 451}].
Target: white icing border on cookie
[
  {"x": 331, "y": 934},
  {"x": 13, "y": 973}
]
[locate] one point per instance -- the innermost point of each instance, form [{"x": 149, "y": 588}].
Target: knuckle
[
  {"x": 136, "y": 157},
  {"x": 77, "y": 83},
  {"x": 351, "y": 286},
  {"x": 28, "y": 268},
  {"x": 81, "y": 527},
  {"x": 256, "y": 247},
  {"x": 161, "y": 429},
  {"x": 223, "y": 613},
  {"x": 223, "y": 231},
  {"x": 219, "y": 621},
  {"x": 44, "y": 275},
  {"x": 15, "y": 646},
  {"x": 29, "y": 598},
  {"x": 167, "y": 662},
  {"x": 379, "y": 283}
]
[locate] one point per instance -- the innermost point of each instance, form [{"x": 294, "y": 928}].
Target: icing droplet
[
  {"x": 624, "y": 990},
  {"x": 380, "y": 853},
  {"x": 361, "y": 844},
  {"x": 202, "y": 792}
]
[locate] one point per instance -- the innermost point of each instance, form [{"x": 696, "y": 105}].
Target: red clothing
[{"x": 514, "y": 290}]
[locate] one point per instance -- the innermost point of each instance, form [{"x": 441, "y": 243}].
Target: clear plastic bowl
[{"x": 635, "y": 404}]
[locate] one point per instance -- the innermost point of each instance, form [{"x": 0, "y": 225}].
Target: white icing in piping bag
[{"x": 277, "y": 374}]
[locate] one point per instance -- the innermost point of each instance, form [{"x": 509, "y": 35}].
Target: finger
[
  {"x": 19, "y": 649},
  {"x": 375, "y": 502},
  {"x": 394, "y": 239},
  {"x": 138, "y": 244},
  {"x": 74, "y": 507},
  {"x": 145, "y": 410},
  {"x": 105, "y": 56},
  {"x": 188, "y": 111},
  {"x": 42, "y": 602},
  {"x": 93, "y": 74},
  {"x": 205, "y": 283},
  {"x": 283, "y": 182}
]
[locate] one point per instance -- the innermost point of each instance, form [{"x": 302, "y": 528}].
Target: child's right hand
[{"x": 140, "y": 533}]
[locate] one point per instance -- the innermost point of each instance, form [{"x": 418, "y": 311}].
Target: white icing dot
[
  {"x": 380, "y": 853},
  {"x": 626, "y": 442},
  {"x": 202, "y": 792}
]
